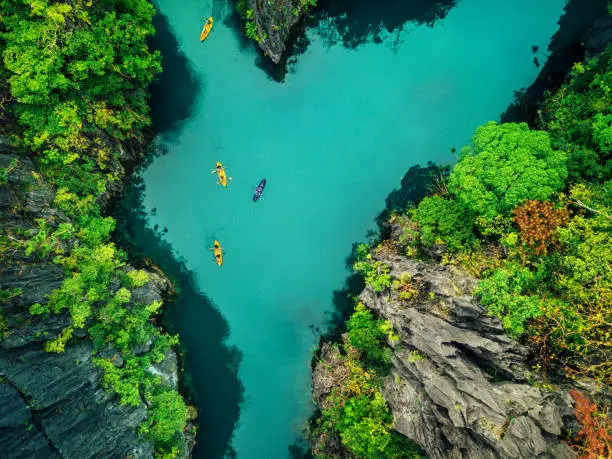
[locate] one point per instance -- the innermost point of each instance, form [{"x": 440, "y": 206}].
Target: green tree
[
  {"x": 168, "y": 417},
  {"x": 443, "y": 220},
  {"x": 507, "y": 164},
  {"x": 368, "y": 334},
  {"x": 509, "y": 294},
  {"x": 579, "y": 118},
  {"x": 77, "y": 69},
  {"x": 366, "y": 425}
]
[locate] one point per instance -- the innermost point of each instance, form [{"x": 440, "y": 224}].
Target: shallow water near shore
[{"x": 332, "y": 140}]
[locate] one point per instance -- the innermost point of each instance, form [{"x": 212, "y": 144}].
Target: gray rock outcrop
[
  {"x": 57, "y": 408},
  {"x": 275, "y": 21},
  {"x": 52, "y": 404},
  {"x": 458, "y": 384}
]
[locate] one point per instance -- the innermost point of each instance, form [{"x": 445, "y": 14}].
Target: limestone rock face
[
  {"x": 458, "y": 383},
  {"x": 466, "y": 394},
  {"x": 53, "y": 405},
  {"x": 275, "y": 20}
]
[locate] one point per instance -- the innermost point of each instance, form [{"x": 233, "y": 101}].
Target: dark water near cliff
[{"x": 361, "y": 104}]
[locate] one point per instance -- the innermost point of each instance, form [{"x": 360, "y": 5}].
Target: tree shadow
[
  {"x": 566, "y": 47},
  {"x": 349, "y": 23},
  {"x": 177, "y": 88},
  {"x": 353, "y": 23},
  {"x": 417, "y": 183},
  {"x": 213, "y": 384}
]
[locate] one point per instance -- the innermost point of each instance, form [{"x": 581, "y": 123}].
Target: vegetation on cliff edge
[
  {"x": 78, "y": 74},
  {"x": 277, "y": 8},
  {"x": 529, "y": 213},
  {"x": 541, "y": 202},
  {"x": 356, "y": 411}
]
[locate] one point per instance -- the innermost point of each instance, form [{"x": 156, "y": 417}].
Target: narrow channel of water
[{"x": 332, "y": 140}]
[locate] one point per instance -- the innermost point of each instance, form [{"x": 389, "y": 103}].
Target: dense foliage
[
  {"x": 594, "y": 440},
  {"x": 78, "y": 74},
  {"x": 444, "y": 221},
  {"x": 580, "y": 119},
  {"x": 78, "y": 70},
  {"x": 369, "y": 335},
  {"x": 507, "y": 164},
  {"x": 539, "y": 203},
  {"x": 356, "y": 411},
  {"x": 529, "y": 212}
]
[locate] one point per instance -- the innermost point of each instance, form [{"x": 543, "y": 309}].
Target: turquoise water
[{"x": 332, "y": 140}]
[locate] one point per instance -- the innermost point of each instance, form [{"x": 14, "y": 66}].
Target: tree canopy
[
  {"x": 507, "y": 164},
  {"x": 76, "y": 70}
]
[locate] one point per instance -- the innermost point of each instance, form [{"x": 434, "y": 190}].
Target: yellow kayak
[
  {"x": 218, "y": 252},
  {"x": 220, "y": 171},
  {"x": 207, "y": 28}
]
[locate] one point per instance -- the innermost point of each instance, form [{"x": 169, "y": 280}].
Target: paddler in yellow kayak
[
  {"x": 220, "y": 171},
  {"x": 206, "y": 29},
  {"x": 218, "y": 252}
]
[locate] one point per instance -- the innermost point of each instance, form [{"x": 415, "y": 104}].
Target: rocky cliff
[
  {"x": 275, "y": 21},
  {"x": 53, "y": 404},
  {"x": 459, "y": 385}
]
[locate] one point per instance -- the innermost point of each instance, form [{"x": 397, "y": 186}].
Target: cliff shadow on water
[
  {"x": 348, "y": 23},
  {"x": 174, "y": 93},
  {"x": 418, "y": 182},
  {"x": 227, "y": 10},
  {"x": 353, "y": 23},
  {"x": 173, "y": 98},
  {"x": 568, "y": 45},
  {"x": 217, "y": 368}
]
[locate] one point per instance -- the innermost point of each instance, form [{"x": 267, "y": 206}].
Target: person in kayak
[{"x": 259, "y": 190}]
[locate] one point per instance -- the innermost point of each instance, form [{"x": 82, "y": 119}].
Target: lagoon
[{"x": 332, "y": 140}]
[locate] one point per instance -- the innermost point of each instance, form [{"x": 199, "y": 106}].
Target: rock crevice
[
  {"x": 275, "y": 21},
  {"x": 458, "y": 384},
  {"x": 53, "y": 404}
]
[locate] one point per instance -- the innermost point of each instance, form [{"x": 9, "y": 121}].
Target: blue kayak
[{"x": 259, "y": 190}]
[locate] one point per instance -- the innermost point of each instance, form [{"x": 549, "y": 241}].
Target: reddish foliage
[
  {"x": 538, "y": 222},
  {"x": 595, "y": 438}
]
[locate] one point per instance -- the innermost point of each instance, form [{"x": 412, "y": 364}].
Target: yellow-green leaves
[
  {"x": 138, "y": 277},
  {"x": 66, "y": 60},
  {"x": 58, "y": 344},
  {"x": 168, "y": 417}
]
